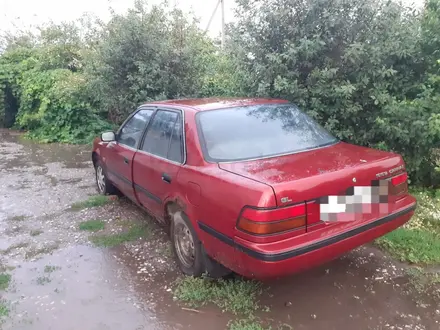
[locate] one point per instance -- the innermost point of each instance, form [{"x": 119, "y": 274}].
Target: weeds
[
  {"x": 18, "y": 218},
  {"x": 414, "y": 246},
  {"x": 135, "y": 232},
  {"x": 51, "y": 269},
  {"x": 418, "y": 241},
  {"x": 236, "y": 296},
  {"x": 4, "y": 309},
  {"x": 92, "y": 225},
  {"x": 245, "y": 324},
  {"x": 42, "y": 280},
  {"x": 36, "y": 232},
  {"x": 168, "y": 250},
  {"x": 5, "y": 279},
  {"x": 93, "y": 201}
]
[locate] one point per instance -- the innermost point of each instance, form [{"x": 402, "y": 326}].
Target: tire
[
  {"x": 190, "y": 254},
  {"x": 103, "y": 184}
]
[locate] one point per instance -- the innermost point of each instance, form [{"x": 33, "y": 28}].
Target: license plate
[{"x": 357, "y": 202}]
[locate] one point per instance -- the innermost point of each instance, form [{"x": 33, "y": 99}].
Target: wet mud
[{"x": 60, "y": 280}]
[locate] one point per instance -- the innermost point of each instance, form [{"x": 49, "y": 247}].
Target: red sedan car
[{"x": 253, "y": 186}]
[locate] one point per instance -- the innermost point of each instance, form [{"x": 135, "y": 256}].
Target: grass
[
  {"x": 133, "y": 233},
  {"x": 245, "y": 324},
  {"x": 418, "y": 241},
  {"x": 236, "y": 296},
  {"x": 36, "y": 232},
  {"x": 93, "y": 201},
  {"x": 92, "y": 225},
  {"x": 4, "y": 309},
  {"x": 168, "y": 250},
  {"x": 42, "y": 280},
  {"x": 5, "y": 279},
  {"x": 415, "y": 246},
  {"x": 18, "y": 218},
  {"x": 51, "y": 269}
]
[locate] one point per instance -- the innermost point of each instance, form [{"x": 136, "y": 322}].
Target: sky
[{"x": 21, "y": 14}]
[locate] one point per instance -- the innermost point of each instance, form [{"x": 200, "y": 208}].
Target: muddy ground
[{"x": 60, "y": 280}]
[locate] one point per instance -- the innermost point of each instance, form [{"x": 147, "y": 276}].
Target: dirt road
[{"x": 60, "y": 280}]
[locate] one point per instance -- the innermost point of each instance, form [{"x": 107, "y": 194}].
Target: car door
[
  {"x": 160, "y": 156},
  {"x": 120, "y": 153}
]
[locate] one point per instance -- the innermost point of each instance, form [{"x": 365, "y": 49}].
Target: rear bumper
[{"x": 252, "y": 262}]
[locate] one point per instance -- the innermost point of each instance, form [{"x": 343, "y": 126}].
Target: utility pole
[
  {"x": 222, "y": 2},
  {"x": 223, "y": 23}
]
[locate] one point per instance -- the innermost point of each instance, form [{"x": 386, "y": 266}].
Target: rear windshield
[{"x": 258, "y": 131}]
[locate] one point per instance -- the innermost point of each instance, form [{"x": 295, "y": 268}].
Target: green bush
[{"x": 364, "y": 69}]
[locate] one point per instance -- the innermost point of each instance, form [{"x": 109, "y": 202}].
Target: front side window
[
  {"x": 164, "y": 136},
  {"x": 258, "y": 131},
  {"x": 131, "y": 133}
]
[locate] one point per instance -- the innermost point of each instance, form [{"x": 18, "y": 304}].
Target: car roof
[{"x": 216, "y": 103}]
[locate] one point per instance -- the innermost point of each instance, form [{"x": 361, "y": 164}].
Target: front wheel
[
  {"x": 105, "y": 187},
  {"x": 191, "y": 256}
]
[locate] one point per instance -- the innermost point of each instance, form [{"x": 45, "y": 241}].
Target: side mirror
[{"x": 108, "y": 136}]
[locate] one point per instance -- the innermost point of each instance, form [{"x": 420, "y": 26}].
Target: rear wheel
[
  {"x": 191, "y": 256},
  {"x": 105, "y": 187}
]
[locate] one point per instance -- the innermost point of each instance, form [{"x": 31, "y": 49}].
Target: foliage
[
  {"x": 92, "y": 201},
  {"x": 92, "y": 225},
  {"x": 4, "y": 281},
  {"x": 4, "y": 309},
  {"x": 356, "y": 66},
  {"x": 415, "y": 246},
  {"x": 145, "y": 55},
  {"x": 135, "y": 232},
  {"x": 51, "y": 269},
  {"x": 418, "y": 241},
  {"x": 236, "y": 296},
  {"x": 67, "y": 82},
  {"x": 245, "y": 324},
  {"x": 46, "y": 91}
]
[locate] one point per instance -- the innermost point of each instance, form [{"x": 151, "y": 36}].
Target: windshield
[{"x": 258, "y": 131}]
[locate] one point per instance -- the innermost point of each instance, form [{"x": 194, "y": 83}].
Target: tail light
[
  {"x": 274, "y": 221},
  {"x": 260, "y": 222},
  {"x": 399, "y": 185}
]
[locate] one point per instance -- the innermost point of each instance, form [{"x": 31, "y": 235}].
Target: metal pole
[{"x": 223, "y": 23}]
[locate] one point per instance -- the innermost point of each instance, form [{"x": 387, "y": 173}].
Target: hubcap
[
  {"x": 184, "y": 243},
  {"x": 100, "y": 179}
]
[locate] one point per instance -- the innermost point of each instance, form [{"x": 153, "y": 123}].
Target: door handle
[
  {"x": 166, "y": 178},
  {"x": 126, "y": 160}
]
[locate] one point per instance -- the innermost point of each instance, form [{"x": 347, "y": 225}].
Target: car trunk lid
[
  {"x": 322, "y": 172},
  {"x": 330, "y": 173}
]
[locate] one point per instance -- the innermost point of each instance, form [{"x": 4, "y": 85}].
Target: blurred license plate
[{"x": 355, "y": 203}]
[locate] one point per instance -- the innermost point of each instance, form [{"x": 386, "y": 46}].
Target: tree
[
  {"x": 354, "y": 65},
  {"x": 148, "y": 54}
]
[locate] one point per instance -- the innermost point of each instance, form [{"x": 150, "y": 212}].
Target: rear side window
[
  {"x": 258, "y": 131},
  {"x": 175, "y": 152},
  {"x": 131, "y": 132},
  {"x": 164, "y": 136}
]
